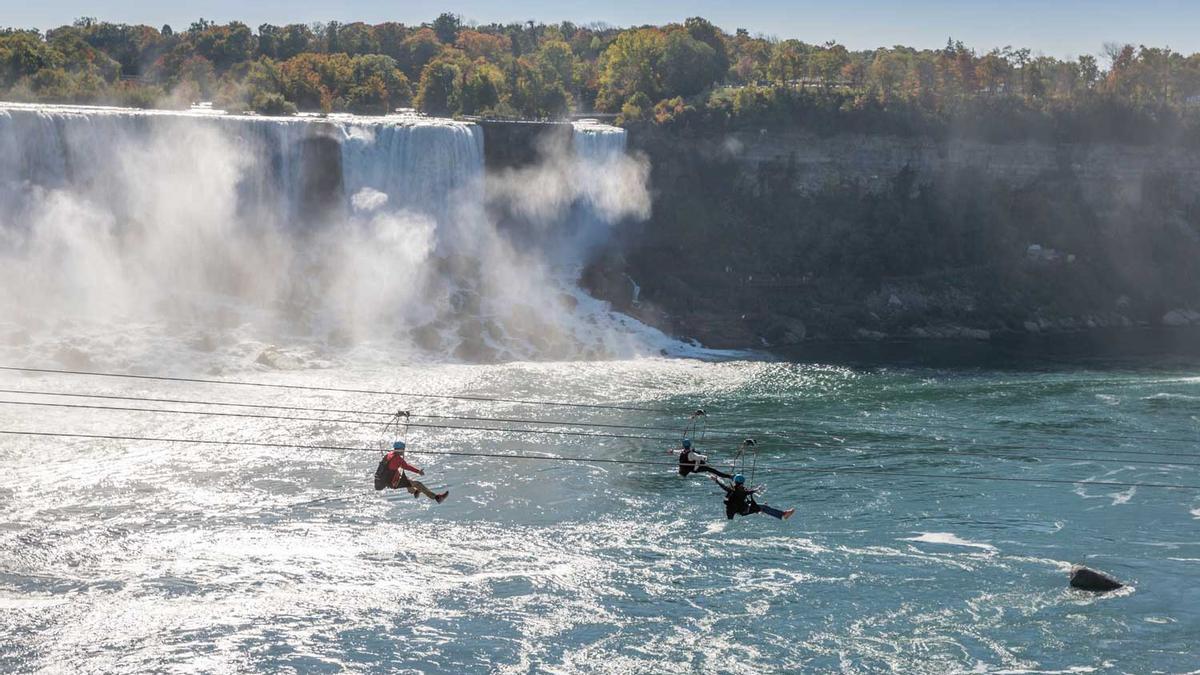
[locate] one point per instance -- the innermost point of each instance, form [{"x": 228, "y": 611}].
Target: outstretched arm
[
  {"x": 720, "y": 484},
  {"x": 409, "y": 467}
]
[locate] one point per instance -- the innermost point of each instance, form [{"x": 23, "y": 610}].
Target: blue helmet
[
  {"x": 687, "y": 444},
  {"x": 739, "y": 479},
  {"x": 398, "y": 445}
]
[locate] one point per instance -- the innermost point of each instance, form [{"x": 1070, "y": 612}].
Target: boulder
[
  {"x": 277, "y": 359},
  {"x": 1176, "y": 317},
  {"x": 1087, "y": 579}
]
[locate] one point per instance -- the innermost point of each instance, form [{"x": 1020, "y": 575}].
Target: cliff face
[
  {"x": 769, "y": 239},
  {"x": 873, "y": 161}
]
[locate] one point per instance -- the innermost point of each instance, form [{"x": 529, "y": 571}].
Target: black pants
[
  {"x": 685, "y": 469},
  {"x": 751, "y": 507}
]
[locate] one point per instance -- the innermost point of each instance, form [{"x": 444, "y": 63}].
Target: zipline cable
[
  {"x": 1071, "y": 434},
  {"x": 550, "y": 432},
  {"x": 242, "y": 383},
  {"x": 497, "y": 400},
  {"x": 808, "y": 436},
  {"x": 1021, "y": 451},
  {"x": 603, "y": 460},
  {"x": 346, "y": 411}
]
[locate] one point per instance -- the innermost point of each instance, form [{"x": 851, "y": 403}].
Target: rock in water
[{"x": 1092, "y": 580}]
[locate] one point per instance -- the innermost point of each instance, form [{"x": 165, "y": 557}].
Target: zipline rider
[
  {"x": 390, "y": 474},
  {"x": 691, "y": 461}
]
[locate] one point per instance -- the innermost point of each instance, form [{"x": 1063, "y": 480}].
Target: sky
[{"x": 1062, "y": 28}]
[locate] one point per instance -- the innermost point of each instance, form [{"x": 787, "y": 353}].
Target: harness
[{"x": 383, "y": 473}]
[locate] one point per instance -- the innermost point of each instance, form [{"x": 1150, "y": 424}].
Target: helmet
[
  {"x": 687, "y": 444},
  {"x": 398, "y": 445},
  {"x": 739, "y": 479}
]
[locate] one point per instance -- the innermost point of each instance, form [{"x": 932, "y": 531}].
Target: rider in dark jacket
[
  {"x": 739, "y": 500},
  {"x": 691, "y": 461}
]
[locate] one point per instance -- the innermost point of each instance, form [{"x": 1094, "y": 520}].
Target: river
[{"x": 134, "y": 556}]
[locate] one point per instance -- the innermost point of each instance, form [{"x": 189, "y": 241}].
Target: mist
[{"x": 126, "y": 236}]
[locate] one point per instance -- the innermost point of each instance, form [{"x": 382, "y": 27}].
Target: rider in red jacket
[{"x": 390, "y": 473}]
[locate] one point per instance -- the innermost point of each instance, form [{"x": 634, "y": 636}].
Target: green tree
[
  {"x": 357, "y": 38},
  {"x": 482, "y": 89},
  {"x": 440, "y": 88},
  {"x": 418, "y": 49},
  {"x": 295, "y": 39},
  {"x": 446, "y": 26},
  {"x": 688, "y": 66},
  {"x": 630, "y": 66},
  {"x": 787, "y": 62},
  {"x": 377, "y": 85}
]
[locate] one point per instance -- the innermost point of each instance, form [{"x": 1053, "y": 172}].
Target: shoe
[
  {"x": 416, "y": 495},
  {"x": 788, "y": 514},
  {"x": 442, "y": 497}
]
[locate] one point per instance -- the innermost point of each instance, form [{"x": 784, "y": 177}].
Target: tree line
[{"x": 689, "y": 74}]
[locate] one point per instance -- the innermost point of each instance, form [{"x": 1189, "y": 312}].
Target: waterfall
[{"x": 324, "y": 234}]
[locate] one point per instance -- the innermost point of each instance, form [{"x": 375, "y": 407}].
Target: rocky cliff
[{"x": 768, "y": 239}]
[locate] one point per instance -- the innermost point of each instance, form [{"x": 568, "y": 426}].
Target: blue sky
[{"x": 1058, "y": 28}]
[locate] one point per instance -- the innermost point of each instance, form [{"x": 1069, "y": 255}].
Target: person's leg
[
  {"x": 685, "y": 469},
  {"x": 380, "y": 482},
  {"x": 709, "y": 469},
  {"x": 419, "y": 486},
  {"x": 776, "y": 513},
  {"x": 730, "y": 511}
]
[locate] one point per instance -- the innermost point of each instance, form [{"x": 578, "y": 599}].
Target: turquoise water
[{"x": 134, "y": 556}]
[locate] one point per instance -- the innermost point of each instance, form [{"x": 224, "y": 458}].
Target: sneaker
[
  {"x": 442, "y": 497},
  {"x": 788, "y": 514}
]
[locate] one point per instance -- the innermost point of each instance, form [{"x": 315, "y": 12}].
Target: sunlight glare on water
[{"x": 131, "y": 556}]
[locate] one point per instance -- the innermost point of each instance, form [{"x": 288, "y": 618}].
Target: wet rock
[
  {"x": 1180, "y": 317},
  {"x": 786, "y": 330},
  {"x": 1087, "y": 579},
  {"x": 474, "y": 349},
  {"x": 204, "y": 343},
  {"x": 427, "y": 337},
  {"x": 277, "y": 359}
]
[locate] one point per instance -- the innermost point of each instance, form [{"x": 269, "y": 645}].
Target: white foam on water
[{"x": 948, "y": 539}]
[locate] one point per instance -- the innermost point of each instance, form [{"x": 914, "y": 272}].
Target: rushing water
[
  {"x": 346, "y": 230},
  {"x": 133, "y": 556}
]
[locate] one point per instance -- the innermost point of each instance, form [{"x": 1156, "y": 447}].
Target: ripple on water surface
[{"x": 132, "y": 556}]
